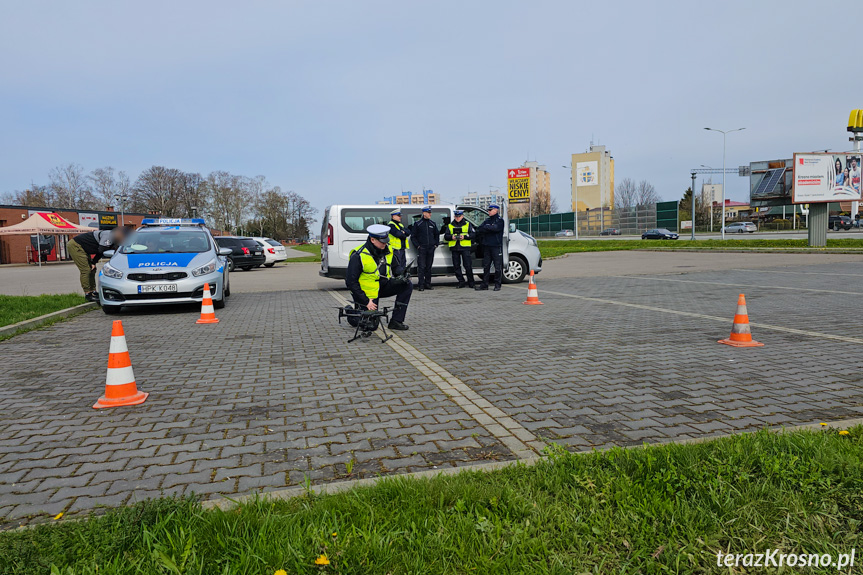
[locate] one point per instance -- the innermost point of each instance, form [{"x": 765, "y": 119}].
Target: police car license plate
[{"x": 157, "y": 288}]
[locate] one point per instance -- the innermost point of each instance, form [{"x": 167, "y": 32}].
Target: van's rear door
[{"x": 326, "y": 237}]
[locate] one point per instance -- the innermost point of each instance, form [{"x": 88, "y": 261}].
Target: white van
[{"x": 344, "y": 228}]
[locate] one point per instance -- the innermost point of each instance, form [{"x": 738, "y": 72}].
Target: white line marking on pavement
[
  {"x": 710, "y": 317},
  {"x": 508, "y": 431},
  {"x": 797, "y": 273},
  {"x": 739, "y": 285}
]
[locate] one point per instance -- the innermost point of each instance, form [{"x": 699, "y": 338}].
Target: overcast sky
[{"x": 351, "y": 101}]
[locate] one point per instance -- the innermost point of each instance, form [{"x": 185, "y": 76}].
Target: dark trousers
[
  {"x": 459, "y": 257},
  {"x": 402, "y": 291},
  {"x": 492, "y": 254},
  {"x": 425, "y": 257},
  {"x": 399, "y": 260}
]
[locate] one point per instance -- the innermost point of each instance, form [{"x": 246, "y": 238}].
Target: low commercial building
[{"x": 23, "y": 249}]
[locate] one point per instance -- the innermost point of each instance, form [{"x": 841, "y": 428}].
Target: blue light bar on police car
[{"x": 172, "y": 222}]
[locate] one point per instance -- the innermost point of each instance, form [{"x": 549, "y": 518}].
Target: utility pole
[
  {"x": 724, "y": 133},
  {"x": 692, "y": 201}
]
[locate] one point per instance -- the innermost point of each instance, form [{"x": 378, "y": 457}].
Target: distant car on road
[
  {"x": 659, "y": 234},
  {"x": 740, "y": 227},
  {"x": 245, "y": 254},
  {"x": 564, "y": 234},
  {"x": 610, "y": 232},
  {"x": 837, "y": 223},
  {"x": 274, "y": 252}
]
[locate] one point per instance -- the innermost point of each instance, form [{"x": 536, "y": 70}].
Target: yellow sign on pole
[{"x": 518, "y": 180}]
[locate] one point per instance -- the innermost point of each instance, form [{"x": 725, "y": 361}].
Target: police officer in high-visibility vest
[
  {"x": 458, "y": 235},
  {"x": 398, "y": 238},
  {"x": 373, "y": 274}
]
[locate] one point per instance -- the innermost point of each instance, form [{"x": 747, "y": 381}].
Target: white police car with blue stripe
[{"x": 165, "y": 261}]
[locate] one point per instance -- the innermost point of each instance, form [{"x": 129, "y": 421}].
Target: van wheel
[{"x": 516, "y": 271}]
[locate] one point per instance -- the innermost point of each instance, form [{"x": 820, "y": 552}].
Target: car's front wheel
[
  {"x": 516, "y": 270},
  {"x": 230, "y": 264},
  {"x": 269, "y": 265}
]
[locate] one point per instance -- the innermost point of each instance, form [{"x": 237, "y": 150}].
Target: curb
[
  {"x": 227, "y": 502},
  {"x": 37, "y": 321}
]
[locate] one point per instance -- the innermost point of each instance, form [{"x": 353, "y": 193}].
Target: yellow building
[{"x": 592, "y": 179}]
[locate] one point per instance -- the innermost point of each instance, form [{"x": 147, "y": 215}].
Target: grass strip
[
  {"x": 659, "y": 509},
  {"x": 552, "y": 248},
  {"x": 16, "y": 308}
]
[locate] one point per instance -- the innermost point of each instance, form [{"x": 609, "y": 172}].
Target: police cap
[{"x": 380, "y": 232}]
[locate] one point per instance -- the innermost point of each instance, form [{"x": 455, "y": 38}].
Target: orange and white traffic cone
[
  {"x": 741, "y": 336},
  {"x": 208, "y": 314},
  {"x": 120, "y": 386},
  {"x": 532, "y": 294}
]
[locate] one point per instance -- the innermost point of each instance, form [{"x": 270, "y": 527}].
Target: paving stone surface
[{"x": 273, "y": 395}]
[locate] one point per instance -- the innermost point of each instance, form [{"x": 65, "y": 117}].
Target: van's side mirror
[
  {"x": 512, "y": 228},
  {"x": 225, "y": 251},
  {"x": 108, "y": 254}
]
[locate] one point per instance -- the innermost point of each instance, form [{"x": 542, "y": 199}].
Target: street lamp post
[
  {"x": 724, "y": 133},
  {"x": 692, "y": 202},
  {"x": 122, "y": 199},
  {"x": 574, "y": 211}
]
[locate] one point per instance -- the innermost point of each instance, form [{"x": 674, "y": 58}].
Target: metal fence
[{"x": 630, "y": 221}]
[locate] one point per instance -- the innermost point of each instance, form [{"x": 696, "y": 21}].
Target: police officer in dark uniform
[
  {"x": 490, "y": 235},
  {"x": 426, "y": 237},
  {"x": 458, "y": 234},
  {"x": 372, "y": 274},
  {"x": 398, "y": 238}
]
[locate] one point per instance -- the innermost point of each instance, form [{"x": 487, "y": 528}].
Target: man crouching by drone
[{"x": 371, "y": 276}]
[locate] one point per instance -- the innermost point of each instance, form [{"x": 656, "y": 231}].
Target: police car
[{"x": 164, "y": 261}]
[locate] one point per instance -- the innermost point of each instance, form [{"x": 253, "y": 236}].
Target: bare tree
[
  {"x": 625, "y": 195},
  {"x": 104, "y": 185},
  {"x": 36, "y": 196},
  {"x": 157, "y": 189},
  {"x": 646, "y": 194},
  {"x": 193, "y": 195},
  {"x": 69, "y": 186}
]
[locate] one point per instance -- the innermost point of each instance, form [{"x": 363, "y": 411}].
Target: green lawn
[
  {"x": 663, "y": 509},
  {"x": 15, "y": 308},
  {"x": 313, "y": 249},
  {"x": 551, "y": 248}
]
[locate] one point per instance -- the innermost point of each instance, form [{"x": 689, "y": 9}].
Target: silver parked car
[
  {"x": 164, "y": 261},
  {"x": 740, "y": 227}
]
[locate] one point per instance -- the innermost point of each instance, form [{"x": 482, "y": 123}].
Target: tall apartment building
[
  {"x": 481, "y": 200},
  {"x": 711, "y": 194},
  {"x": 411, "y": 198},
  {"x": 592, "y": 179},
  {"x": 540, "y": 183}
]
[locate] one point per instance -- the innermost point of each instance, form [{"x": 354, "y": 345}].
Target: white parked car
[
  {"x": 273, "y": 250},
  {"x": 740, "y": 227}
]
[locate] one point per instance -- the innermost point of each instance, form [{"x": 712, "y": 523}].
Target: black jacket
[
  {"x": 425, "y": 234},
  {"x": 466, "y": 228},
  {"x": 490, "y": 232},
  {"x": 96, "y": 243},
  {"x": 355, "y": 268}
]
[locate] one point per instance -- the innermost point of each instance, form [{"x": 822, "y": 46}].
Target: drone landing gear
[{"x": 366, "y": 322}]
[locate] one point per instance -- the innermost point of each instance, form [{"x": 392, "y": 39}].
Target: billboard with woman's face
[{"x": 826, "y": 177}]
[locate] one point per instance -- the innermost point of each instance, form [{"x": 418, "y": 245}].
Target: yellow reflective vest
[
  {"x": 465, "y": 243},
  {"x": 371, "y": 274},
  {"x": 398, "y": 243}
]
